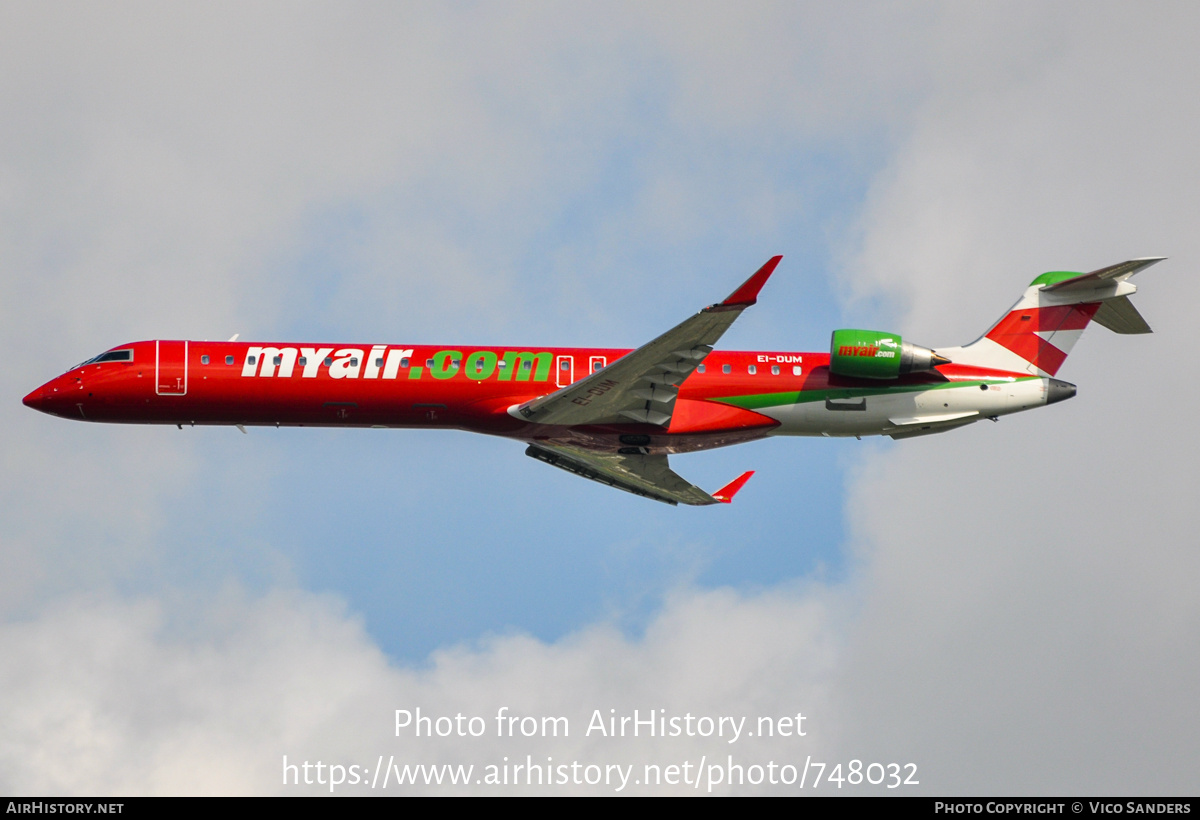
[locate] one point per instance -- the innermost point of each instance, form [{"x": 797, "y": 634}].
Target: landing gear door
[{"x": 170, "y": 368}]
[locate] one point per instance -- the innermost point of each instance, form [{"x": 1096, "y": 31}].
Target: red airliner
[{"x": 615, "y": 416}]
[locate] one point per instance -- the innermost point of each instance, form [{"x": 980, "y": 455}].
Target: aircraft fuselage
[{"x": 732, "y": 397}]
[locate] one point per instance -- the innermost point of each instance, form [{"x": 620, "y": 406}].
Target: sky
[{"x": 1005, "y": 609}]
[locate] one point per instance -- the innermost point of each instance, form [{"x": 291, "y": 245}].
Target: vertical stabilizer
[{"x": 1039, "y": 331}]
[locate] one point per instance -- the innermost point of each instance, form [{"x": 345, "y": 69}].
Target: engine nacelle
[{"x": 873, "y": 354}]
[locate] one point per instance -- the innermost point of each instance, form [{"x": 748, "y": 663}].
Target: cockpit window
[{"x": 112, "y": 356}]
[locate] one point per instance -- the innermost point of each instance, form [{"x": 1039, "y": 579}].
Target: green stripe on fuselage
[{"x": 758, "y": 401}]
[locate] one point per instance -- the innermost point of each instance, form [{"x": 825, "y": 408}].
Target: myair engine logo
[
  {"x": 875, "y": 351},
  {"x": 864, "y": 354},
  {"x": 873, "y": 354}
]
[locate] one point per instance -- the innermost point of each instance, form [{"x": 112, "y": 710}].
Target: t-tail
[{"x": 1039, "y": 331}]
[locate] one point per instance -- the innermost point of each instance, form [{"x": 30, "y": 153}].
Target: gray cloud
[{"x": 105, "y": 696}]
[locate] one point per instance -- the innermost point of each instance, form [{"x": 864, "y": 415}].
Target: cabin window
[
  {"x": 353, "y": 361},
  {"x": 302, "y": 361},
  {"x": 528, "y": 365},
  {"x": 596, "y": 366},
  {"x": 379, "y": 362},
  {"x": 726, "y": 368},
  {"x": 278, "y": 360},
  {"x": 774, "y": 370},
  {"x": 228, "y": 360},
  {"x": 328, "y": 361},
  {"x": 252, "y": 360},
  {"x": 204, "y": 359},
  {"x": 479, "y": 365},
  {"x": 404, "y": 362},
  {"x": 429, "y": 363},
  {"x": 752, "y": 369},
  {"x": 502, "y": 364},
  {"x": 564, "y": 365},
  {"x": 700, "y": 368},
  {"x": 796, "y": 370}
]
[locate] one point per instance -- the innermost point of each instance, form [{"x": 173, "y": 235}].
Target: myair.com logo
[{"x": 383, "y": 362}]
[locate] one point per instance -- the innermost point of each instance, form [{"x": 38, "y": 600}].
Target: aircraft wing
[
  {"x": 649, "y": 476},
  {"x": 641, "y": 386}
]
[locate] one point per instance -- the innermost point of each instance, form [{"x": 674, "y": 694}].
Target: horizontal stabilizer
[
  {"x": 1120, "y": 316},
  {"x": 1097, "y": 278}
]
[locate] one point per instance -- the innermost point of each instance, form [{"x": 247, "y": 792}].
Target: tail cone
[{"x": 1057, "y": 390}]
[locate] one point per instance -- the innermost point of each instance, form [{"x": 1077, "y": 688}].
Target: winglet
[
  {"x": 726, "y": 493},
  {"x": 747, "y": 294}
]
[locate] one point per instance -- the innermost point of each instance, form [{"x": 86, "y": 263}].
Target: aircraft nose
[{"x": 36, "y": 399}]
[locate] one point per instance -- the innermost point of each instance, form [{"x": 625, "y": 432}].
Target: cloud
[{"x": 111, "y": 696}]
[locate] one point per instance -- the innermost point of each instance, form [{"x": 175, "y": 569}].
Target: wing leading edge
[{"x": 641, "y": 387}]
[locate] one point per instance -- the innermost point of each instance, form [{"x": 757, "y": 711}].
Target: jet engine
[{"x": 873, "y": 354}]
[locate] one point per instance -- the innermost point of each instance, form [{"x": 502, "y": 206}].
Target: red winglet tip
[
  {"x": 726, "y": 493},
  {"x": 747, "y": 294}
]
